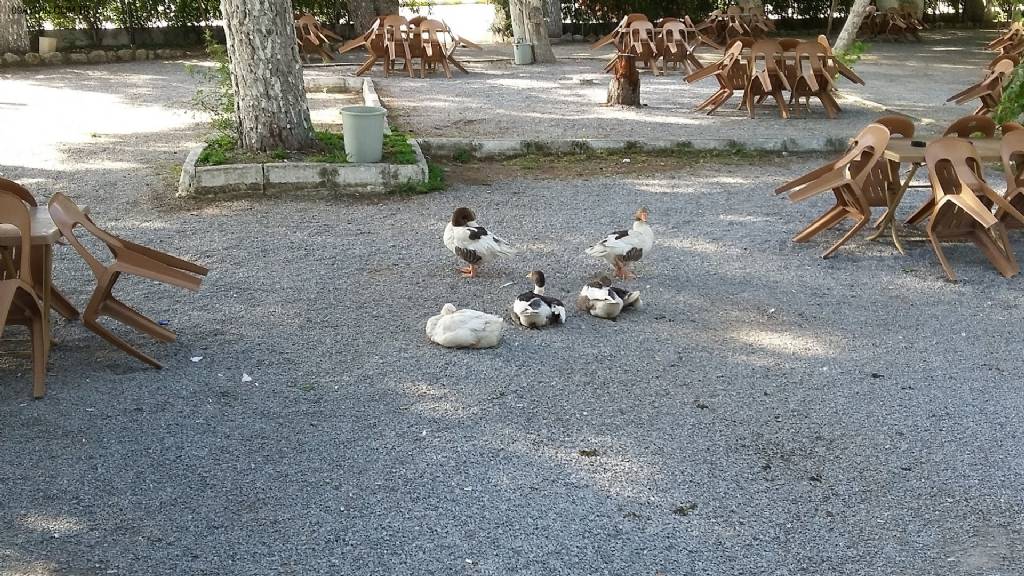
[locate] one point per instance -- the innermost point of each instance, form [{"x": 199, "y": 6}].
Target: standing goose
[
  {"x": 603, "y": 300},
  {"x": 533, "y": 309},
  {"x": 472, "y": 242},
  {"x": 625, "y": 246}
]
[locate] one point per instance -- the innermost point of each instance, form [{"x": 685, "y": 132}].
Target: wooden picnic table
[
  {"x": 44, "y": 235},
  {"x": 903, "y": 151}
]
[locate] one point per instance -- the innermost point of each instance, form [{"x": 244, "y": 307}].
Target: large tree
[
  {"x": 528, "y": 23},
  {"x": 270, "y": 98},
  {"x": 849, "y": 33},
  {"x": 13, "y": 30},
  {"x": 362, "y": 13}
]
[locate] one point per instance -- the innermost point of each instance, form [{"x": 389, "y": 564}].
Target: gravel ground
[
  {"x": 499, "y": 100},
  {"x": 767, "y": 413}
]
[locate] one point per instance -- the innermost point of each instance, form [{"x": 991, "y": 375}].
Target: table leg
[{"x": 890, "y": 216}]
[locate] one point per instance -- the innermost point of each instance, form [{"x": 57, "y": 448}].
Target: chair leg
[
  {"x": 937, "y": 247},
  {"x": 856, "y": 228},
  {"x": 62, "y": 305},
  {"x": 921, "y": 213},
  {"x": 109, "y": 336},
  {"x": 129, "y": 316},
  {"x": 827, "y": 220},
  {"x": 995, "y": 253},
  {"x": 40, "y": 354}
]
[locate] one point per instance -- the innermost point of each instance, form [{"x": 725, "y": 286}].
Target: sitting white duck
[
  {"x": 625, "y": 246},
  {"x": 454, "y": 328},
  {"x": 603, "y": 300},
  {"x": 472, "y": 242},
  {"x": 535, "y": 310}
]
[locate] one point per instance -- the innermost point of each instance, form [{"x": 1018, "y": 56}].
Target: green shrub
[{"x": 1011, "y": 106}]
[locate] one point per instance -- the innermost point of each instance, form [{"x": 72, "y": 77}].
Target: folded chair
[
  {"x": 640, "y": 43},
  {"x": 856, "y": 181},
  {"x": 731, "y": 74},
  {"x": 676, "y": 45},
  {"x": 1012, "y": 152},
  {"x": 963, "y": 205},
  {"x": 19, "y": 302},
  {"x": 989, "y": 90},
  {"x": 314, "y": 38},
  {"x": 128, "y": 258},
  {"x": 395, "y": 36},
  {"x": 966, "y": 127},
  {"x": 9, "y": 256},
  {"x": 428, "y": 46},
  {"x": 812, "y": 79},
  {"x": 1007, "y": 127},
  {"x": 766, "y": 78}
]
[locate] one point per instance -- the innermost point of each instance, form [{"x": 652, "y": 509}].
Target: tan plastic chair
[
  {"x": 731, "y": 75},
  {"x": 766, "y": 78},
  {"x": 1007, "y": 127},
  {"x": 19, "y": 302},
  {"x": 640, "y": 42},
  {"x": 9, "y": 256},
  {"x": 963, "y": 205},
  {"x": 129, "y": 258},
  {"x": 676, "y": 44},
  {"x": 1012, "y": 152},
  {"x": 428, "y": 46},
  {"x": 968, "y": 126},
  {"x": 989, "y": 90},
  {"x": 314, "y": 38},
  {"x": 854, "y": 179},
  {"x": 812, "y": 79}
]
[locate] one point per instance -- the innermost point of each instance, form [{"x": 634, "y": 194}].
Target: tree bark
[
  {"x": 537, "y": 32},
  {"x": 849, "y": 32},
  {"x": 363, "y": 13},
  {"x": 13, "y": 30},
  {"x": 624, "y": 88},
  {"x": 831, "y": 14},
  {"x": 266, "y": 75},
  {"x": 517, "y": 11}
]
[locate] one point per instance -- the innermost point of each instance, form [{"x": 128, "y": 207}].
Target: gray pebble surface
[{"x": 767, "y": 412}]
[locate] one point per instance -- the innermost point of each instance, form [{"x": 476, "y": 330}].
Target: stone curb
[
  {"x": 11, "y": 60},
  {"x": 350, "y": 84},
  {"x": 504, "y": 148},
  {"x": 295, "y": 177}
]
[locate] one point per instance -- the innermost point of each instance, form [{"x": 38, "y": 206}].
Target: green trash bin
[
  {"x": 522, "y": 51},
  {"x": 363, "y": 127}
]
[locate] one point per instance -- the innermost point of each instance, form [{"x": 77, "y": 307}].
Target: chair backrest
[
  {"x": 767, "y": 51},
  {"x": 432, "y": 30},
  {"x": 862, "y": 159},
  {"x": 898, "y": 126},
  {"x": 1012, "y": 153},
  {"x": 14, "y": 212},
  {"x": 1012, "y": 59},
  {"x": 68, "y": 216},
  {"x": 674, "y": 32},
  {"x": 789, "y": 44},
  {"x": 970, "y": 125},
  {"x": 394, "y": 26},
  {"x": 18, "y": 190},
  {"x": 815, "y": 55},
  {"x": 1007, "y": 127},
  {"x": 634, "y": 17},
  {"x": 734, "y": 10},
  {"x": 953, "y": 164}
]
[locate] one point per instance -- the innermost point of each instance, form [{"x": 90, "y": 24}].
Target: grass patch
[
  {"x": 435, "y": 182},
  {"x": 330, "y": 149}
]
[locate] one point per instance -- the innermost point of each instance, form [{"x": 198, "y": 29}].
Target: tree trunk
[
  {"x": 13, "y": 30},
  {"x": 363, "y": 13},
  {"x": 831, "y": 13},
  {"x": 849, "y": 32},
  {"x": 624, "y": 88},
  {"x": 270, "y": 98},
  {"x": 537, "y": 32},
  {"x": 517, "y": 11}
]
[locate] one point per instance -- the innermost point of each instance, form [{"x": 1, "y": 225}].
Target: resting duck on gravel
[
  {"x": 464, "y": 328},
  {"x": 603, "y": 300},
  {"x": 535, "y": 310},
  {"x": 472, "y": 242},
  {"x": 625, "y": 246}
]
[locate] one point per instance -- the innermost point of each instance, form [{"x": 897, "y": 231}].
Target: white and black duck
[
  {"x": 603, "y": 300},
  {"x": 535, "y": 310},
  {"x": 622, "y": 248},
  {"x": 472, "y": 242}
]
